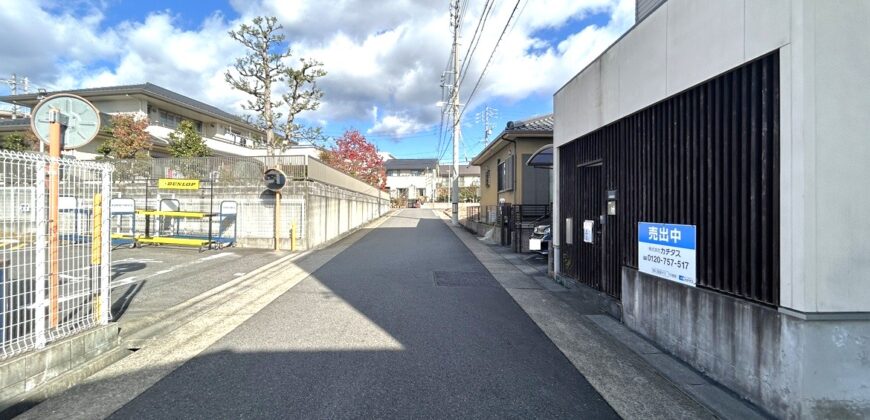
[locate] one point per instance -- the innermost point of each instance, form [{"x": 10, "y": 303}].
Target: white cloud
[
  {"x": 396, "y": 125},
  {"x": 384, "y": 66}
]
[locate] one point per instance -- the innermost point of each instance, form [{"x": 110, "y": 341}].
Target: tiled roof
[
  {"x": 464, "y": 170},
  {"x": 148, "y": 89},
  {"x": 536, "y": 128},
  {"x": 542, "y": 123},
  {"x": 410, "y": 164}
]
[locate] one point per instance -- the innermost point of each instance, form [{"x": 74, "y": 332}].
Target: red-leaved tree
[{"x": 355, "y": 156}]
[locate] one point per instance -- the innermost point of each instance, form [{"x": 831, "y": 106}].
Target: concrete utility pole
[{"x": 454, "y": 98}]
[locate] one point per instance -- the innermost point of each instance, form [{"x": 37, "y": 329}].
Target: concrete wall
[
  {"x": 825, "y": 58},
  {"x": 681, "y": 44},
  {"x": 319, "y": 213},
  {"x": 793, "y": 368},
  {"x": 59, "y": 366},
  {"x": 825, "y": 265},
  {"x": 808, "y": 358}
]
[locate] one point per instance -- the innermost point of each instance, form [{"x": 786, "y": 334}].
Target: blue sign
[
  {"x": 667, "y": 251},
  {"x": 680, "y": 236}
]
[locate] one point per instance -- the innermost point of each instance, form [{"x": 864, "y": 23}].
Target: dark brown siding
[{"x": 709, "y": 157}]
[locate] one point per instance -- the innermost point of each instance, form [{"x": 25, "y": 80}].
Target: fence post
[
  {"x": 40, "y": 258},
  {"x": 106, "y": 266}
]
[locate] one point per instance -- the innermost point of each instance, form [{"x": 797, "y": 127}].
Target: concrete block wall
[
  {"x": 28, "y": 372},
  {"x": 318, "y": 212}
]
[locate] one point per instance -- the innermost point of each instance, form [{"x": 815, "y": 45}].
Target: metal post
[
  {"x": 41, "y": 246},
  {"x": 53, "y": 214},
  {"x": 277, "y": 220},
  {"x": 106, "y": 249}
]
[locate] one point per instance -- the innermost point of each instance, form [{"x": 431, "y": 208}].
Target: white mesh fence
[{"x": 52, "y": 288}]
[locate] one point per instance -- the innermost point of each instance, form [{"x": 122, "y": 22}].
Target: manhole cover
[{"x": 463, "y": 279}]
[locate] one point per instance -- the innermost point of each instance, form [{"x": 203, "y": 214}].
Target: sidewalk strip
[{"x": 626, "y": 381}]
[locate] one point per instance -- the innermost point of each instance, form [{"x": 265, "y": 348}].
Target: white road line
[
  {"x": 216, "y": 256},
  {"x": 123, "y": 282}
]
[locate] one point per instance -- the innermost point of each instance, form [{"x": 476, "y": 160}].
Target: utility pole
[
  {"x": 13, "y": 86},
  {"x": 454, "y": 98}
]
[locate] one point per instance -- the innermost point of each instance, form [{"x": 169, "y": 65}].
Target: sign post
[
  {"x": 667, "y": 251},
  {"x": 54, "y": 147},
  {"x": 63, "y": 121},
  {"x": 275, "y": 181}
]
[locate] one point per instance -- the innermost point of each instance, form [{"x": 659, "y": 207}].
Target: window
[
  {"x": 171, "y": 120},
  {"x": 506, "y": 175}
]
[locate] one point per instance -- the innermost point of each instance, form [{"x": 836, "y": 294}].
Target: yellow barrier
[
  {"x": 187, "y": 214},
  {"x": 172, "y": 241}
]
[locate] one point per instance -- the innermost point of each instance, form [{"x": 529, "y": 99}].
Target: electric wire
[{"x": 486, "y": 66}]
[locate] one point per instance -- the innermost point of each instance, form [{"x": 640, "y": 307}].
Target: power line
[
  {"x": 494, "y": 49},
  {"x": 472, "y": 46}
]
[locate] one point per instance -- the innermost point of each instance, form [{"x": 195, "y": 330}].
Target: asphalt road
[
  {"x": 405, "y": 323},
  {"x": 151, "y": 279}
]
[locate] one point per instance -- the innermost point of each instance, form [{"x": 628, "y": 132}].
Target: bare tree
[{"x": 260, "y": 70}]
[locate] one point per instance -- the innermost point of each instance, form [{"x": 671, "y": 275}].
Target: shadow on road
[
  {"x": 119, "y": 269},
  {"x": 371, "y": 334}
]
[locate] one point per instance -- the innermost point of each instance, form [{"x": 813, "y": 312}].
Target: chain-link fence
[{"x": 52, "y": 286}]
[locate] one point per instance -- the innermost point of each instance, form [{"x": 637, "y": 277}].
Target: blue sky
[{"x": 384, "y": 66}]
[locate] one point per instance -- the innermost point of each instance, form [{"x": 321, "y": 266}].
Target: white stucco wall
[
  {"x": 114, "y": 106},
  {"x": 426, "y": 182},
  {"x": 825, "y": 100}
]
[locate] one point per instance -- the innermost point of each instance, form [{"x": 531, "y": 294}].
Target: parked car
[{"x": 541, "y": 236}]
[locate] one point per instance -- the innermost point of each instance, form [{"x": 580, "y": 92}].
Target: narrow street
[{"x": 406, "y": 322}]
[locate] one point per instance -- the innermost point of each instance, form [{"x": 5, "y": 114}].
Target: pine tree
[{"x": 185, "y": 141}]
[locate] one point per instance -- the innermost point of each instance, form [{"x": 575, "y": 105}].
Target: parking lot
[{"x": 151, "y": 279}]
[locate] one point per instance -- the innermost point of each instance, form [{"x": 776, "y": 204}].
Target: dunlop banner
[{"x": 177, "y": 184}]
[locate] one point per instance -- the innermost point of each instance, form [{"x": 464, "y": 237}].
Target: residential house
[
  {"x": 504, "y": 177},
  {"x": 225, "y": 134},
  {"x": 712, "y": 176},
  {"x": 469, "y": 181},
  {"x": 412, "y": 179}
]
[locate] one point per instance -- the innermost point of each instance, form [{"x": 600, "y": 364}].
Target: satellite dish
[
  {"x": 274, "y": 179},
  {"x": 79, "y": 119}
]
